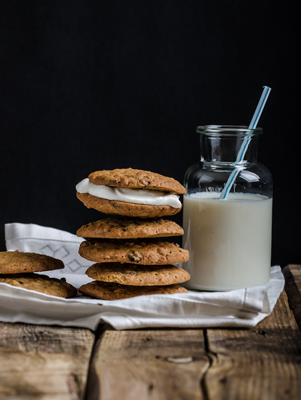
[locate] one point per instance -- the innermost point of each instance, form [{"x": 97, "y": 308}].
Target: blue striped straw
[{"x": 246, "y": 141}]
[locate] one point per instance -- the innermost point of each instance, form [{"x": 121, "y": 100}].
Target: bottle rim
[{"x": 228, "y": 130}]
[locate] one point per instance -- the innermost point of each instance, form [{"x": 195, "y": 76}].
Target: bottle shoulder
[
  {"x": 261, "y": 170},
  {"x": 192, "y": 173},
  {"x": 253, "y": 177},
  {"x": 198, "y": 166}
]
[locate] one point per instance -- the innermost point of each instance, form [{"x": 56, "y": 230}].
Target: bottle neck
[{"x": 224, "y": 149}]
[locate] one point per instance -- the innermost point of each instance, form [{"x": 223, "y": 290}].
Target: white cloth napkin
[{"x": 237, "y": 308}]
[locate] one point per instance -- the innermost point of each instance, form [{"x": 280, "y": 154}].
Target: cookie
[
  {"x": 40, "y": 283},
  {"x": 115, "y": 207},
  {"x": 136, "y": 251},
  {"x": 124, "y": 228},
  {"x": 138, "y": 275},
  {"x": 136, "y": 179},
  {"x": 15, "y": 262},
  {"x": 114, "y": 291}
]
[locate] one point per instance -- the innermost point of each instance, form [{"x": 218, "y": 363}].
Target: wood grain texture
[
  {"x": 292, "y": 274},
  {"x": 262, "y": 363},
  {"x": 43, "y": 362},
  {"x": 148, "y": 364}
]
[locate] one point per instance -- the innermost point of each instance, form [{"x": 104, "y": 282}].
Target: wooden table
[{"x": 44, "y": 362}]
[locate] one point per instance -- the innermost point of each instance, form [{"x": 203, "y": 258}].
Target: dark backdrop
[{"x": 90, "y": 85}]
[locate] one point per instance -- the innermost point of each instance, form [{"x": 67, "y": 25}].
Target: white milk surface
[{"x": 229, "y": 241}]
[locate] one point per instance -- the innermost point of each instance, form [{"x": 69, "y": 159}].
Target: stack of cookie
[
  {"x": 18, "y": 269},
  {"x": 131, "y": 259}
]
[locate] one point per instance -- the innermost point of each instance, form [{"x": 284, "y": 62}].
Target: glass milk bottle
[{"x": 229, "y": 240}]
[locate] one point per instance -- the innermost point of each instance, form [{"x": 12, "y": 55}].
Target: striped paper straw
[{"x": 246, "y": 141}]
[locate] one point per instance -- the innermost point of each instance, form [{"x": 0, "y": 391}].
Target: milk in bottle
[{"x": 229, "y": 239}]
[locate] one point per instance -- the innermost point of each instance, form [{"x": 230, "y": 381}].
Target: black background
[{"x": 91, "y": 85}]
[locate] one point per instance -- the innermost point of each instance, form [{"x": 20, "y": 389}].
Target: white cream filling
[{"x": 137, "y": 196}]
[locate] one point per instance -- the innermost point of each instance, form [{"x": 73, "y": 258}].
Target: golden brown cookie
[
  {"x": 114, "y": 207},
  {"x": 138, "y": 275},
  {"x": 136, "y": 179},
  {"x": 126, "y": 228},
  {"x": 114, "y": 291},
  {"x": 145, "y": 252},
  {"x": 40, "y": 283},
  {"x": 17, "y": 262}
]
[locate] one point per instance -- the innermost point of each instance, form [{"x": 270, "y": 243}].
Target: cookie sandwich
[
  {"x": 18, "y": 269},
  {"x": 131, "y": 192},
  {"x": 130, "y": 254}
]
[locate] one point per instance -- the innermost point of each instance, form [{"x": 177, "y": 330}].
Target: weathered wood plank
[
  {"x": 43, "y": 362},
  {"x": 292, "y": 275},
  {"x": 149, "y": 364},
  {"x": 263, "y": 363}
]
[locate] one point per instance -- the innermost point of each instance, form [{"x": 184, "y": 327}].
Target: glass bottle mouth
[{"x": 228, "y": 130}]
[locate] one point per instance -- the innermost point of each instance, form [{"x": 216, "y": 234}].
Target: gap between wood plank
[
  {"x": 137, "y": 363},
  {"x": 92, "y": 378},
  {"x": 210, "y": 354}
]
